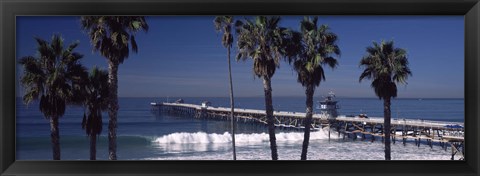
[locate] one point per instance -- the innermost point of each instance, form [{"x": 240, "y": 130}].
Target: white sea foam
[
  {"x": 203, "y": 146},
  {"x": 318, "y": 150},
  {"x": 205, "y": 138}
]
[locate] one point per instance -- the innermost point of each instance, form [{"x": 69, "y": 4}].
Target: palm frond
[
  {"x": 224, "y": 24},
  {"x": 385, "y": 65},
  {"x": 113, "y": 35},
  {"x": 261, "y": 40},
  {"x": 50, "y": 76},
  {"x": 317, "y": 48}
]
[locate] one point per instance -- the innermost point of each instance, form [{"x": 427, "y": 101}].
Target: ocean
[{"x": 144, "y": 134}]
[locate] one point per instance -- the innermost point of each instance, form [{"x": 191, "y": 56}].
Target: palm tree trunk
[
  {"x": 113, "y": 108},
  {"x": 387, "y": 119},
  {"x": 231, "y": 104},
  {"x": 93, "y": 147},
  {"x": 55, "y": 137},
  {"x": 267, "y": 87},
  {"x": 308, "y": 121}
]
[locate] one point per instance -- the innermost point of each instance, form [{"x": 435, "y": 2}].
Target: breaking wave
[{"x": 214, "y": 138}]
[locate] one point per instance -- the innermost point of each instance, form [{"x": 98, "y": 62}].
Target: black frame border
[{"x": 10, "y": 9}]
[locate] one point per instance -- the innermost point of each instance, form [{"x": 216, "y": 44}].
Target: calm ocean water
[{"x": 147, "y": 135}]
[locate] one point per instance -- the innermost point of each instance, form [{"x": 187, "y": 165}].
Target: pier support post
[
  {"x": 394, "y": 134},
  {"x": 453, "y": 152},
  {"x": 338, "y": 129},
  {"x": 383, "y": 133},
  {"x": 329, "y": 133}
]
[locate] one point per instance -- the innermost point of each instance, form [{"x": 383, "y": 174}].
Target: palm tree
[
  {"x": 261, "y": 40},
  {"x": 385, "y": 65},
  {"x": 50, "y": 77},
  {"x": 317, "y": 48},
  {"x": 95, "y": 94},
  {"x": 224, "y": 24},
  {"x": 112, "y": 37}
]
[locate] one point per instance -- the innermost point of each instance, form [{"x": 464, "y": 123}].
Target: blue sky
[{"x": 183, "y": 56}]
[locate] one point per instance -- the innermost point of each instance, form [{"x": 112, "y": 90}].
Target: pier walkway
[{"x": 237, "y": 110}]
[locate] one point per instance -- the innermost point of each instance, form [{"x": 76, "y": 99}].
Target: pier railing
[
  {"x": 410, "y": 122},
  {"x": 240, "y": 110}
]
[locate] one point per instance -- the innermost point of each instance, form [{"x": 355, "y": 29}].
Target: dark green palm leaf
[
  {"x": 96, "y": 93},
  {"x": 385, "y": 65},
  {"x": 112, "y": 35},
  {"x": 316, "y": 47},
  {"x": 261, "y": 40},
  {"x": 48, "y": 77}
]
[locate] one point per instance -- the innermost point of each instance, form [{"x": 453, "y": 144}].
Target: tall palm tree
[
  {"x": 112, "y": 37},
  {"x": 260, "y": 39},
  {"x": 50, "y": 77},
  {"x": 224, "y": 24},
  {"x": 317, "y": 48},
  {"x": 385, "y": 65},
  {"x": 95, "y": 94}
]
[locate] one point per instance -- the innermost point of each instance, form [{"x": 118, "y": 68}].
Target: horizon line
[{"x": 285, "y": 96}]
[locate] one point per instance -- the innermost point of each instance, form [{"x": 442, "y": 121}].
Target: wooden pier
[
  {"x": 443, "y": 133},
  {"x": 446, "y": 134},
  {"x": 282, "y": 118}
]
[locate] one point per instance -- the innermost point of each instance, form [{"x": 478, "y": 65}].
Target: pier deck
[
  {"x": 241, "y": 110},
  {"x": 407, "y": 122}
]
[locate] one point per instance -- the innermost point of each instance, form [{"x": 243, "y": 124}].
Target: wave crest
[{"x": 214, "y": 138}]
